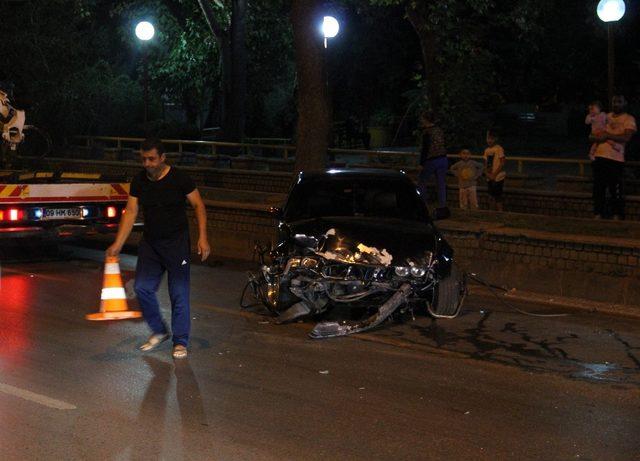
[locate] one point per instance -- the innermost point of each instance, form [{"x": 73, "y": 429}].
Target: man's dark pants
[
  {"x": 608, "y": 175},
  {"x": 154, "y": 258}
]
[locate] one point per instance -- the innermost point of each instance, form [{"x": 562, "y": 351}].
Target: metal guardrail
[
  {"x": 271, "y": 141},
  {"x": 391, "y": 159}
]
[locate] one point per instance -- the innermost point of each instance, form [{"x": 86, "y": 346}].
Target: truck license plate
[{"x": 62, "y": 213}]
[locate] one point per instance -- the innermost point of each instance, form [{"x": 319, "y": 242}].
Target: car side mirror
[{"x": 275, "y": 211}]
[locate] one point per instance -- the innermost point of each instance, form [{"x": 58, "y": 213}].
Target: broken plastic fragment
[
  {"x": 324, "y": 372},
  {"x": 383, "y": 256}
]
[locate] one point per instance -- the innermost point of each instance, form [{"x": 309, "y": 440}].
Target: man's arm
[
  {"x": 623, "y": 138},
  {"x": 125, "y": 227},
  {"x": 201, "y": 216}
]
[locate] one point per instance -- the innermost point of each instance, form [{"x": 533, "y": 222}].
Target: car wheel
[{"x": 449, "y": 295}]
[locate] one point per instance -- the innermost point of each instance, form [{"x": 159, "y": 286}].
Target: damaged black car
[{"x": 359, "y": 239}]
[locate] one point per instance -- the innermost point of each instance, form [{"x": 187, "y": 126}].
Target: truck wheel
[{"x": 449, "y": 295}]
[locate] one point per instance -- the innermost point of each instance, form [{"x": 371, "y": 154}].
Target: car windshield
[{"x": 357, "y": 197}]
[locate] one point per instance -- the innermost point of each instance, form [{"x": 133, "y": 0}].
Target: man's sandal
[
  {"x": 179, "y": 351},
  {"x": 154, "y": 341}
]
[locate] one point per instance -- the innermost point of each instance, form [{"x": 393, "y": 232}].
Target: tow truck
[
  {"x": 59, "y": 205},
  {"x": 51, "y": 204}
]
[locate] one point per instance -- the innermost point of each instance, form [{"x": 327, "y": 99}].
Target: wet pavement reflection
[
  {"x": 578, "y": 347},
  {"x": 251, "y": 389}
]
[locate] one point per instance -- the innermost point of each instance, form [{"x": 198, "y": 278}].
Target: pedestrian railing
[{"x": 286, "y": 152}]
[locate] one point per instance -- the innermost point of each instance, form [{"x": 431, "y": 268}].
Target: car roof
[{"x": 351, "y": 173}]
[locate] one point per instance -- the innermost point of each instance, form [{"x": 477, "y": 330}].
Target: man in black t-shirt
[{"x": 162, "y": 192}]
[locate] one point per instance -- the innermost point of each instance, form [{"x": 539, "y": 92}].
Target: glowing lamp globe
[
  {"x": 611, "y": 10},
  {"x": 145, "y": 31},
  {"x": 330, "y": 27}
]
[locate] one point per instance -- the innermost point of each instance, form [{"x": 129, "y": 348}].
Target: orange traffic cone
[{"x": 113, "y": 300}]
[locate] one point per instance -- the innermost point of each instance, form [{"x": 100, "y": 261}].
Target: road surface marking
[{"x": 37, "y": 398}]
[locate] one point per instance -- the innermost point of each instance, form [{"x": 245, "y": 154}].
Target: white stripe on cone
[
  {"x": 113, "y": 293},
  {"x": 112, "y": 268}
]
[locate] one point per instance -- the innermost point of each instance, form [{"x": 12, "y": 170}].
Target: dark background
[{"x": 76, "y": 66}]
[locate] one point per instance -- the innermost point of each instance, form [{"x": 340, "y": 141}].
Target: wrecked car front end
[{"x": 358, "y": 239}]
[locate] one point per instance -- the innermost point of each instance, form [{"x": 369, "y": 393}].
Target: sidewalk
[{"x": 604, "y": 232}]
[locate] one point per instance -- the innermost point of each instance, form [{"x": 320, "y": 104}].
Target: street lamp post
[
  {"x": 610, "y": 12},
  {"x": 330, "y": 28},
  {"x": 145, "y": 32}
]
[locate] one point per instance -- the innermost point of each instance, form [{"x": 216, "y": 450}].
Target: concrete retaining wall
[
  {"x": 531, "y": 261},
  {"x": 551, "y": 264}
]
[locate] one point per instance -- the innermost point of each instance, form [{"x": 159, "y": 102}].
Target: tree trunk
[
  {"x": 417, "y": 15},
  {"x": 314, "y": 114}
]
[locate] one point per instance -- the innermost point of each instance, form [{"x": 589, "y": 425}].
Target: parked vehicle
[{"x": 59, "y": 205}]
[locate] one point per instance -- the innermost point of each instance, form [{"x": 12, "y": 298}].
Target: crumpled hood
[{"x": 402, "y": 239}]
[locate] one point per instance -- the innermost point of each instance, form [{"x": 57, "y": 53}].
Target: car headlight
[
  {"x": 402, "y": 271},
  {"x": 418, "y": 272}
]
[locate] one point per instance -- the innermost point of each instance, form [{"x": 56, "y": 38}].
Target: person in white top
[{"x": 608, "y": 164}]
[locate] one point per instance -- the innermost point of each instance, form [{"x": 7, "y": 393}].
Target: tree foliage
[
  {"x": 479, "y": 54},
  {"x": 271, "y": 74},
  {"x": 184, "y": 56}
]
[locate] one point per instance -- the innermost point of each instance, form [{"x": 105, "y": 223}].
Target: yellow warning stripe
[{"x": 13, "y": 190}]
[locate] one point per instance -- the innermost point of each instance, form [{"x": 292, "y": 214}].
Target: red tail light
[
  {"x": 112, "y": 212},
  {"x": 12, "y": 214}
]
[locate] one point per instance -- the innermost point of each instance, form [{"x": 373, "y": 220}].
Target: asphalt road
[{"x": 492, "y": 384}]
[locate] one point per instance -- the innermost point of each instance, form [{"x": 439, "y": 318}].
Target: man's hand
[
  {"x": 114, "y": 250},
  {"x": 203, "y": 248}
]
